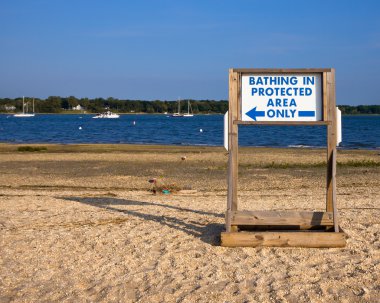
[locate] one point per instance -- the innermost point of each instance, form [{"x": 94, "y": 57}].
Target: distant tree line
[
  {"x": 56, "y": 104},
  {"x": 360, "y": 110}
]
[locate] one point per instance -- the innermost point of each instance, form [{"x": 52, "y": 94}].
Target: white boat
[
  {"x": 106, "y": 115},
  {"x": 188, "y": 114},
  {"x": 178, "y": 114},
  {"x": 189, "y": 110},
  {"x": 25, "y": 113}
]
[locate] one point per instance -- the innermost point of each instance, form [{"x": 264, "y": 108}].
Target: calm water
[{"x": 358, "y": 131}]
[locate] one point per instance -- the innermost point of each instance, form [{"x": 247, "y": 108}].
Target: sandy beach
[{"x": 79, "y": 223}]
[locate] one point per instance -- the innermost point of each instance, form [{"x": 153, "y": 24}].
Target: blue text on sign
[
  {"x": 266, "y": 80},
  {"x": 282, "y": 91}
]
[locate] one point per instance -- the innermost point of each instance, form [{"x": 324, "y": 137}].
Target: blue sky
[{"x": 169, "y": 49}]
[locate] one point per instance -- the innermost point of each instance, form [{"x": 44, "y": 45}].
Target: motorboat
[{"x": 106, "y": 115}]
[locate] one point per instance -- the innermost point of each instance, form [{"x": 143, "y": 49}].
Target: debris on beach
[
  {"x": 183, "y": 158},
  {"x": 153, "y": 188},
  {"x": 162, "y": 188}
]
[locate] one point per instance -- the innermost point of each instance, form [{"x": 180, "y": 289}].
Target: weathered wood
[
  {"x": 331, "y": 139},
  {"x": 284, "y": 239},
  {"x": 229, "y": 193},
  {"x": 234, "y": 141},
  {"x": 303, "y": 218},
  {"x": 239, "y": 113},
  {"x": 335, "y": 208},
  {"x": 283, "y": 123},
  {"x": 324, "y": 97},
  {"x": 324, "y": 222},
  {"x": 281, "y": 70},
  {"x": 232, "y": 146}
]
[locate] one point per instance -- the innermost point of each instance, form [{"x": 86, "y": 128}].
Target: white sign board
[
  {"x": 281, "y": 97},
  {"x": 338, "y": 126},
  {"x": 225, "y": 137}
]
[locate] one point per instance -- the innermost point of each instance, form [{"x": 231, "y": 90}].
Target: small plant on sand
[
  {"x": 31, "y": 148},
  {"x": 360, "y": 163}
]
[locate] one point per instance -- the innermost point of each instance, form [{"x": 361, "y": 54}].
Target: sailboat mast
[
  {"x": 23, "y": 105},
  {"x": 33, "y": 105}
]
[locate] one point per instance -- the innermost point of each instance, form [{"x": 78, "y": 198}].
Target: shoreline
[
  {"x": 250, "y": 157},
  {"x": 116, "y": 112},
  {"x": 142, "y": 113},
  {"x": 98, "y": 147}
]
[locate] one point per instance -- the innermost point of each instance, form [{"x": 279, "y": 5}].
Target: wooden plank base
[
  {"x": 317, "y": 239},
  {"x": 302, "y": 219}
]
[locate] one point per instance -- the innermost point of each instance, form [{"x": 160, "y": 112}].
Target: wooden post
[
  {"x": 325, "y": 97},
  {"x": 232, "y": 148},
  {"x": 335, "y": 208},
  {"x": 331, "y": 139}
]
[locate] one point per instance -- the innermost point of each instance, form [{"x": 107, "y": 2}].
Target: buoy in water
[
  {"x": 201, "y": 130},
  {"x": 80, "y": 127},
  {"x": 134, "y": 123}
]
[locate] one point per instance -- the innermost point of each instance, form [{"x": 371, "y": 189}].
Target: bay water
[{"x": 359, "y": 132}]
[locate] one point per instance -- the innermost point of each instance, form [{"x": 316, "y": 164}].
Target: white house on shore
[
  {"x": 78, "y": 107},
  {"x": 9, "y": 108}
]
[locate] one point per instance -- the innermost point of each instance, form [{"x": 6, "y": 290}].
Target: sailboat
[
  {"x": 178, "y": 114},
  {"x": 25, "y": 113},
  {"x": 189, "y": 114}
]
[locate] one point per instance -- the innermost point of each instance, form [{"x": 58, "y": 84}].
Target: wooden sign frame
[{"x": 283, "y": 228}]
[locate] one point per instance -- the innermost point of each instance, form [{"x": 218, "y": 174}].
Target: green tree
[
  {"x": 51, "y": 105},
  {"x": 72, "y": 101}
]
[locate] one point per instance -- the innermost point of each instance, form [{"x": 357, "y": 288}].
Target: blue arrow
[
  {"x": 253, "y": 113},
  {"x": 306, "y": 113}
]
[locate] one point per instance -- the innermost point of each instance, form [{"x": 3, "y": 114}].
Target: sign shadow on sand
[{"x": 207, "y": 232}]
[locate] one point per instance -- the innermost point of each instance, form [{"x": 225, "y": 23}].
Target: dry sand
[{"x": 78, "y": 224}]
